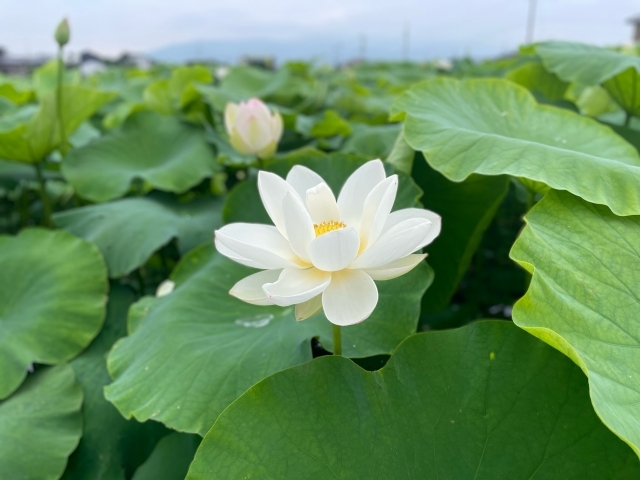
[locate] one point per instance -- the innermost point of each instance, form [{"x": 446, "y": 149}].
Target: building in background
[
  {"x": 635, "y": 21},
  {"x": 10, "y": 65}
]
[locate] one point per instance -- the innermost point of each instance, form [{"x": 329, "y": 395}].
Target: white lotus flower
[
  {"x": 252, "y": 129},
  {"x": 165, "y": 288},
  {"x": 324, "y": 253}
]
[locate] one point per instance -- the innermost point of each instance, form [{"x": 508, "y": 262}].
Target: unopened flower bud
[
  {"x": 165, "y": 288},
  {"x": 252, "y": 128},
  {"x": 62, "y": 33}
]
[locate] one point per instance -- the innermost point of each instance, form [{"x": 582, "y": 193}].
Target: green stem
[
  {"x": 141, "y": 285},
  {"x": 63, "y": 135},
  {"x": 46, "y": 204},
  {"x": 337, "y": 340},
  {"x": 23, "y": 207},
  {"x": 627, "y": 119},
  {"x": 163, "y": 260}
]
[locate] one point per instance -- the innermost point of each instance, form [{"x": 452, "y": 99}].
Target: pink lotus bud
[{"x": 252, "y": 128}]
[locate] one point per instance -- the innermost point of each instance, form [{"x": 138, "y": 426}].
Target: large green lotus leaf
[
  {"x": 583, "y": 299},
  {"x": 494, "y": 127},
  {"x": 15, "y": 91},
  {"x": 169, "y": 96},
  {"x": 216, "y": 96},
  {"x": 40, "y": 425},
  {"x": 161, "y": 150},
  {"x": 243, "y": 203},
  {"x": 128, "y": 231},
  {"x": 52, "y": 300},
  {"x": 467, "y": 209},
  {"x": 401, "y": 155},
  {"x": 182, "y": 82},
  {"x": 618, "y": 72},
  {"x": 34, "y": 139},
  {"x": 193, "y": 352},
  {"x": 536, "y": 78},
  {"x": 625, "y": 90},
  {"x": 631, "y": 135},
  {"x": 483, "y": 402},
  {"x": 242, "y": 83},
  {"x": 111, "y": 447},
  {"x": 45, "y": 78},
  {"x": 157, "y": 96},
  {"x": 170, "y": 459},
  {"x": 594, "y": 101},
  {"x": 14, "y": 145},
  {"x": 585, "y": 64},
  {"x": 329, "y": 124},
  {"x": 78, "y": 104},
  {"x": 245, "y": 81},
  {"x": 372, "y": 141}
]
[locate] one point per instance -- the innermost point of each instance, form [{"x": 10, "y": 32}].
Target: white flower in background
[
  {"x": 165, "y": 288},
  {"x": 324, "y": 253},
  {"x": 444, "y": 64},
  {"x": 252, "y": 128},
  {"x": 221, "y": 72}
]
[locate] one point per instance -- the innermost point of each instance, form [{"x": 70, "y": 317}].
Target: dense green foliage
[{"x": 113, "y": 183}]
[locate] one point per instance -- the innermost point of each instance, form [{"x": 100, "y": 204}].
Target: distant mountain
[{"x": 324, "y": 49}]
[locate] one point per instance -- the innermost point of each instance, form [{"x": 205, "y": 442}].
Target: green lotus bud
[{"x": 62, "y": 33}]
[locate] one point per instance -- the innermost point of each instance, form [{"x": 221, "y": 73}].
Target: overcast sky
[{"x": 441, "y": 27}]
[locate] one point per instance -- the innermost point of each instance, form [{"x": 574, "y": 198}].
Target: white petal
[
  {"x": 397, "y": 242},
  {"x": 254, "y": 130},
  {"x": 298, "y": 225},
  {"x": 257, "y": 108},
  {"x": 276, "y": 126},
  {"x": 165, "y": 288},
  {"x": 335, "y": 250},
  {"x": 272, "y": 190},
  {"x": 302, "y": 179},
  {"x": 377, "y": 207},
  {"x": 238, "y": 143},
  {"x": 296, "y": 286},
  {"x": 268, "y": 150},
  {"x": 350, "y": 298},
  {"x": 356, "y": 188},
  {"x": 407, "y": 213},
  {"x": 322, "y": 204},
  {"x": 230, "y": 113},
  {"x": 396, "y": 268},
  {"x": 262, "y": 244},
  {"x": 249, "y": 289},
  {"x": 309, "y": 308},
  {"x": 227, "y": 252}
]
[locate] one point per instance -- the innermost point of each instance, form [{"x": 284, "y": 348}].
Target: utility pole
[
  {"x": 406, "y": 39},
  {"x": 531, "y": 21}
]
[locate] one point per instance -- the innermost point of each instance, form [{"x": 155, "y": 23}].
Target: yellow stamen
[{"x": 326, "y": 227}]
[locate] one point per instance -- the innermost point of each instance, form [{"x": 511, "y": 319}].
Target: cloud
[{"x": 483, "y": 26}]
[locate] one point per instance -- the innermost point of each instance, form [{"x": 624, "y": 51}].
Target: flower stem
[
  {"x": 46, "y": 204},
  {"x": 141, "y": 283},
  {"x": 337, "y": 340},
  {"x": 63, "y": 136}
]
